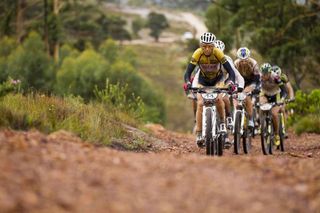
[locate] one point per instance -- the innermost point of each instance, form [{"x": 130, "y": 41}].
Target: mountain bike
[
  {"x": 214, "y": 140},
  {"x": 267, "y": 128},
  {"x": 241, "y": 129}
]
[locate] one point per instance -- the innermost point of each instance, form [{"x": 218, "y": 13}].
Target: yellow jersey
[{"x": 210, "y": 66}]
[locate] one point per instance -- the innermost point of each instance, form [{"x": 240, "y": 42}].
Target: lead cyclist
[
  {"x": 239, "y": 81},
  {"x": 210, "y": 59}
]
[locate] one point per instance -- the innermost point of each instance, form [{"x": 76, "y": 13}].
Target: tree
[
  {"x": 284, "y": 32},
  {"x": 31, "y": 64},
  {"x": 157, "y": 23},
  {"x": 137, "y": 25}
]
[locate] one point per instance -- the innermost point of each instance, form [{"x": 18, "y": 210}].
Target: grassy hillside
[
  {"x": 98, "y": 123},
  {"x": 163, "y": 66}
]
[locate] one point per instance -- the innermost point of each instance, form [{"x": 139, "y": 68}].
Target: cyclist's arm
[
  {"x": 238, "y": 77},
  {"x": 283, "y": 90},
  {"x": 290, "y": 90},
  {"x": 192, "y": 64},
  {"x": 188, "y": 72},
  {"x": 256, "y": 77}
]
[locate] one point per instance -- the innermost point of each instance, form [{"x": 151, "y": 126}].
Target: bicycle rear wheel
[
  {"x": 220, "y": 144},
  {"x": 237, "y": 134},
  {"x": 265, "y": 135}
]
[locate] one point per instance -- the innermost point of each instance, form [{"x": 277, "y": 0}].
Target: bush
[
  {"x": 116, "y": 96},
  {"x": 306, "y": 112},
  {"x": 309, "y": 124},
  {"x": 80, "y": 75},
  {"x": 7, "y": 46},
  {"x": 31, "y": 64}
]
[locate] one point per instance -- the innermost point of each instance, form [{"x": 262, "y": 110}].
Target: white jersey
[{"x": 239, "y": 80}]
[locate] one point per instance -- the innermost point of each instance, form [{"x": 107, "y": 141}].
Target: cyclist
[
  {"x": 248, "y": 68},
  {"x": 210, "y": 61},
  {"x": 272, "y": 90},
  {"x": 284, "y": 78},
  {"x": 277, "y": 73},
  {"x": 238, "y": 80}
]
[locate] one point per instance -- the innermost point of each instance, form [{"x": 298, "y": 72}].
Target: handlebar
[{"x": 211, "y": 89}]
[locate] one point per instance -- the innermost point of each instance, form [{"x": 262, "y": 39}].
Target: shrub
[
  {"x": 115, "y": 95},
  {"x": 306, "y": 112},
  {"x": 7, "y": 46},
  {"x": 80, "y": 75},
  {"x": 90, "y": 121},
  {"x": 31, "y": 64}
]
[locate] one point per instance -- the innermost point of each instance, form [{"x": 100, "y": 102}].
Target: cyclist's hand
[
  {"x": 186, "y": 86},
  {"x": 231, "y": 86}
]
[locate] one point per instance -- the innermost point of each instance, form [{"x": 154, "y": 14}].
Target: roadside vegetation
[
  {"x": 305, "y": 112},
  {"x": 100, "y": 121}
]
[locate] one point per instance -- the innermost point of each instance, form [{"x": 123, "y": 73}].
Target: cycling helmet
[
  {"x": 207, "y": 38},
  {"x": 264, "y": 68},
  {"x": 219, "y": 44},
  {"x": 276, "y": 70},
  {"x": 243, "y": 53}
]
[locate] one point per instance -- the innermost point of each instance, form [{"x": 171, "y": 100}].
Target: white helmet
[
  {"x": 243, "y": 53},
  {"x": 207, "y": 38},
  {"x": 276, "y": 70},
  {"x": 219, "y": 44}
]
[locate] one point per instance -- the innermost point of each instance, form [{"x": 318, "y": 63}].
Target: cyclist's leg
[
  {"x": 220, "y": 109},
  {"x": 194, "y": 107},
  {"x": 275, "y": 114},
  {"x": 249, "y": 106},
  {"x": 275, "y": 119},
  {"x": 199, "y": 113},
  {"x": 227, "y": 104}
]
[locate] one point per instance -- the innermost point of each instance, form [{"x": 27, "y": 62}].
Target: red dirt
[{"x": 61, "y": 173}]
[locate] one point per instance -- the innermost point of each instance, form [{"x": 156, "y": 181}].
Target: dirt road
[
  {"x": 196, "y": 23},
  {"x": 60, "y": 173}
]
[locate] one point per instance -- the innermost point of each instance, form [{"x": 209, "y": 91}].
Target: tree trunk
[
  {"x": 45, "y": 27},
  {"x": 19, "y": 21},
  {"x": 56, "y": 43}
]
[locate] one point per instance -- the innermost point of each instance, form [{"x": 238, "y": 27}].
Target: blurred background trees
[
  {"x": 284, "y": 32},
  {"x": 157, "y": 22},
  {"x": 68, "y": 47},
  {"x": 73, "y": 47}
]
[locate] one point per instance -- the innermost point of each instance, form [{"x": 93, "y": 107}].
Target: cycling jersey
[
  {"x": 249, "y": 70},
  {"x": 272, "y": 86},
  {"x": 210, "y": 67}
]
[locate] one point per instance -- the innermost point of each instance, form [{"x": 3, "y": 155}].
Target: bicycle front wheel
[
  {"x": 237, "y": 133},
  {"x": 265, "y": 136},
  {"x": 281, "y": 131},
  {"x": 208, "y": 138}
]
